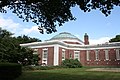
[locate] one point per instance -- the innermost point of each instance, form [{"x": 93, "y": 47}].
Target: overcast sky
[{"x": 99, "y": 28}]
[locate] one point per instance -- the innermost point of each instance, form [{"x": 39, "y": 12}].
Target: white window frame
[
  {"x": 96, "y": 55},
  {"x": 106, "y": 54},
  {"x": 118, "y": 54},
  {"x": 63, "y": 54},
  {"x": 78, "y": 55},
  {"x": 43, "y": 56},
  {"x": 87, "y": 55}
]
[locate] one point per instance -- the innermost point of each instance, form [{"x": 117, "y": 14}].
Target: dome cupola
[{"x": 66, "y": 37}]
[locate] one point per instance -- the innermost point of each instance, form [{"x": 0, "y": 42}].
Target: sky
[{"x": 99, "y": 28}]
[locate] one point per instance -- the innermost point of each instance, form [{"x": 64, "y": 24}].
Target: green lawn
[{"x": 68, "y": 74}]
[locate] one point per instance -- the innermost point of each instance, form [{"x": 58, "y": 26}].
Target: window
[
  {"x": 87, "y": 55},
  {"x": 106, "y": 55},
  {"x": 35, "y": 51},
  {"x": 96, "y": 55},
  {"x": 70, "y": 55},
  {"x": 76, "y": 55},
  {"x": 63, "y": 54},
  {"x": 45, "y": 54},
  {"x": 117, "y": 54}
]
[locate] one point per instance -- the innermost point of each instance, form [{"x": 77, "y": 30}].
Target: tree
[
  {"x": 116, "y": 39},
  {"x": 51, "y": 13},
  {"x": 26, "y": 39},
  {"x": 10, "y": 51},
  {"x": 4, "y": 38},
  {"x": 5, "y": 33}
]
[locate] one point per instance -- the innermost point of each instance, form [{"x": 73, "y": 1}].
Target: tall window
[
  {"x": 76, "y": 55},
  {"x": 96, "y": 54},
  {"x": 63, "y": 54},
  {"x": 45, "y": 53},
  {"x": 117, "y": 54},
  {"x": 106, "y": 55},
  {"x": 70, "y": 55},
  {"x": 87, "y": 55}
]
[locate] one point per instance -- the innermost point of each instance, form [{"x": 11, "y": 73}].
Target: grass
[{"x": 68, "y": 74}]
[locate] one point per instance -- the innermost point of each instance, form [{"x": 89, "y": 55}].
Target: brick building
[{"x": 67, "y": 46}]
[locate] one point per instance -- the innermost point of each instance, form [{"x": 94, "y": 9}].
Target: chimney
[{"x": 86, "y": 39}]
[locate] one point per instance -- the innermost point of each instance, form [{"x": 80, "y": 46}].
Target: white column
[{"x": 56, "y": 55}]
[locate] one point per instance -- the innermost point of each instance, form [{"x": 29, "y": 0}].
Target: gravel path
[{"x": 105, "y": 69}]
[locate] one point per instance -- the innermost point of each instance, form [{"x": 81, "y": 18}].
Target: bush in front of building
[
  {"x": 71, "y": 63},
  {"x": 10, "y": 71},
  {"x": 31, "y": 68},
  {"x": 28, "y": 68}
]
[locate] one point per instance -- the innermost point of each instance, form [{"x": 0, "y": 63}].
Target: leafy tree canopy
[
  {"x": 50, "y": 13},
  {"x": 10, "y": 51},
  {"x": 5, "y": 33},
  {"x": 26, "y": 39},
  {"x": 116, "y": 39}
]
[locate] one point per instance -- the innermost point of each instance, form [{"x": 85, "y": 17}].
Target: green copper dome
[{"x": 65, "y": 35}]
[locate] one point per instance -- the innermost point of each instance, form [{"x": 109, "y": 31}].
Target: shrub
[
  {"x": 71, "y": 63},
  {"x": 9, "y": 71},
  {"x": 47, "y": 67},
  {"x": 31, "y": 68},
  {"x": 27, "y": 68}
]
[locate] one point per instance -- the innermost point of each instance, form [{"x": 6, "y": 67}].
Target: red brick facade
[
  {"x": 83, "y": 59},
  {"x": 67, "y": 46},
  {"x": 102, "y": 61}
]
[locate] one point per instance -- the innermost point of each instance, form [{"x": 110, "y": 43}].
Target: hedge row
[
  {"x": 10, "y": 71},
  {"x": 67, "y": 63},
  {"x": 28, "y": 68}
]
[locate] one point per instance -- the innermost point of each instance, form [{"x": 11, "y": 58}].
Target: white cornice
[{"x": 71, "y": 46}]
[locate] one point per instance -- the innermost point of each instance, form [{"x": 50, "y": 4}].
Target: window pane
[
  {"x": 87, "y": 55},
  {"x": 63, "y": 55},
  {"x": 45, "y": 52},
  {"x": 70, "y": 55},
  {"x": 106, "y": 55},
  {"x": 76, "y": 55},
  {"x": 117, "y": 54},
  {"x": 96, "y": 54}
]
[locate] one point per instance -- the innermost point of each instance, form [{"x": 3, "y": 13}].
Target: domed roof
[{"x": 64, "y": 35}]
